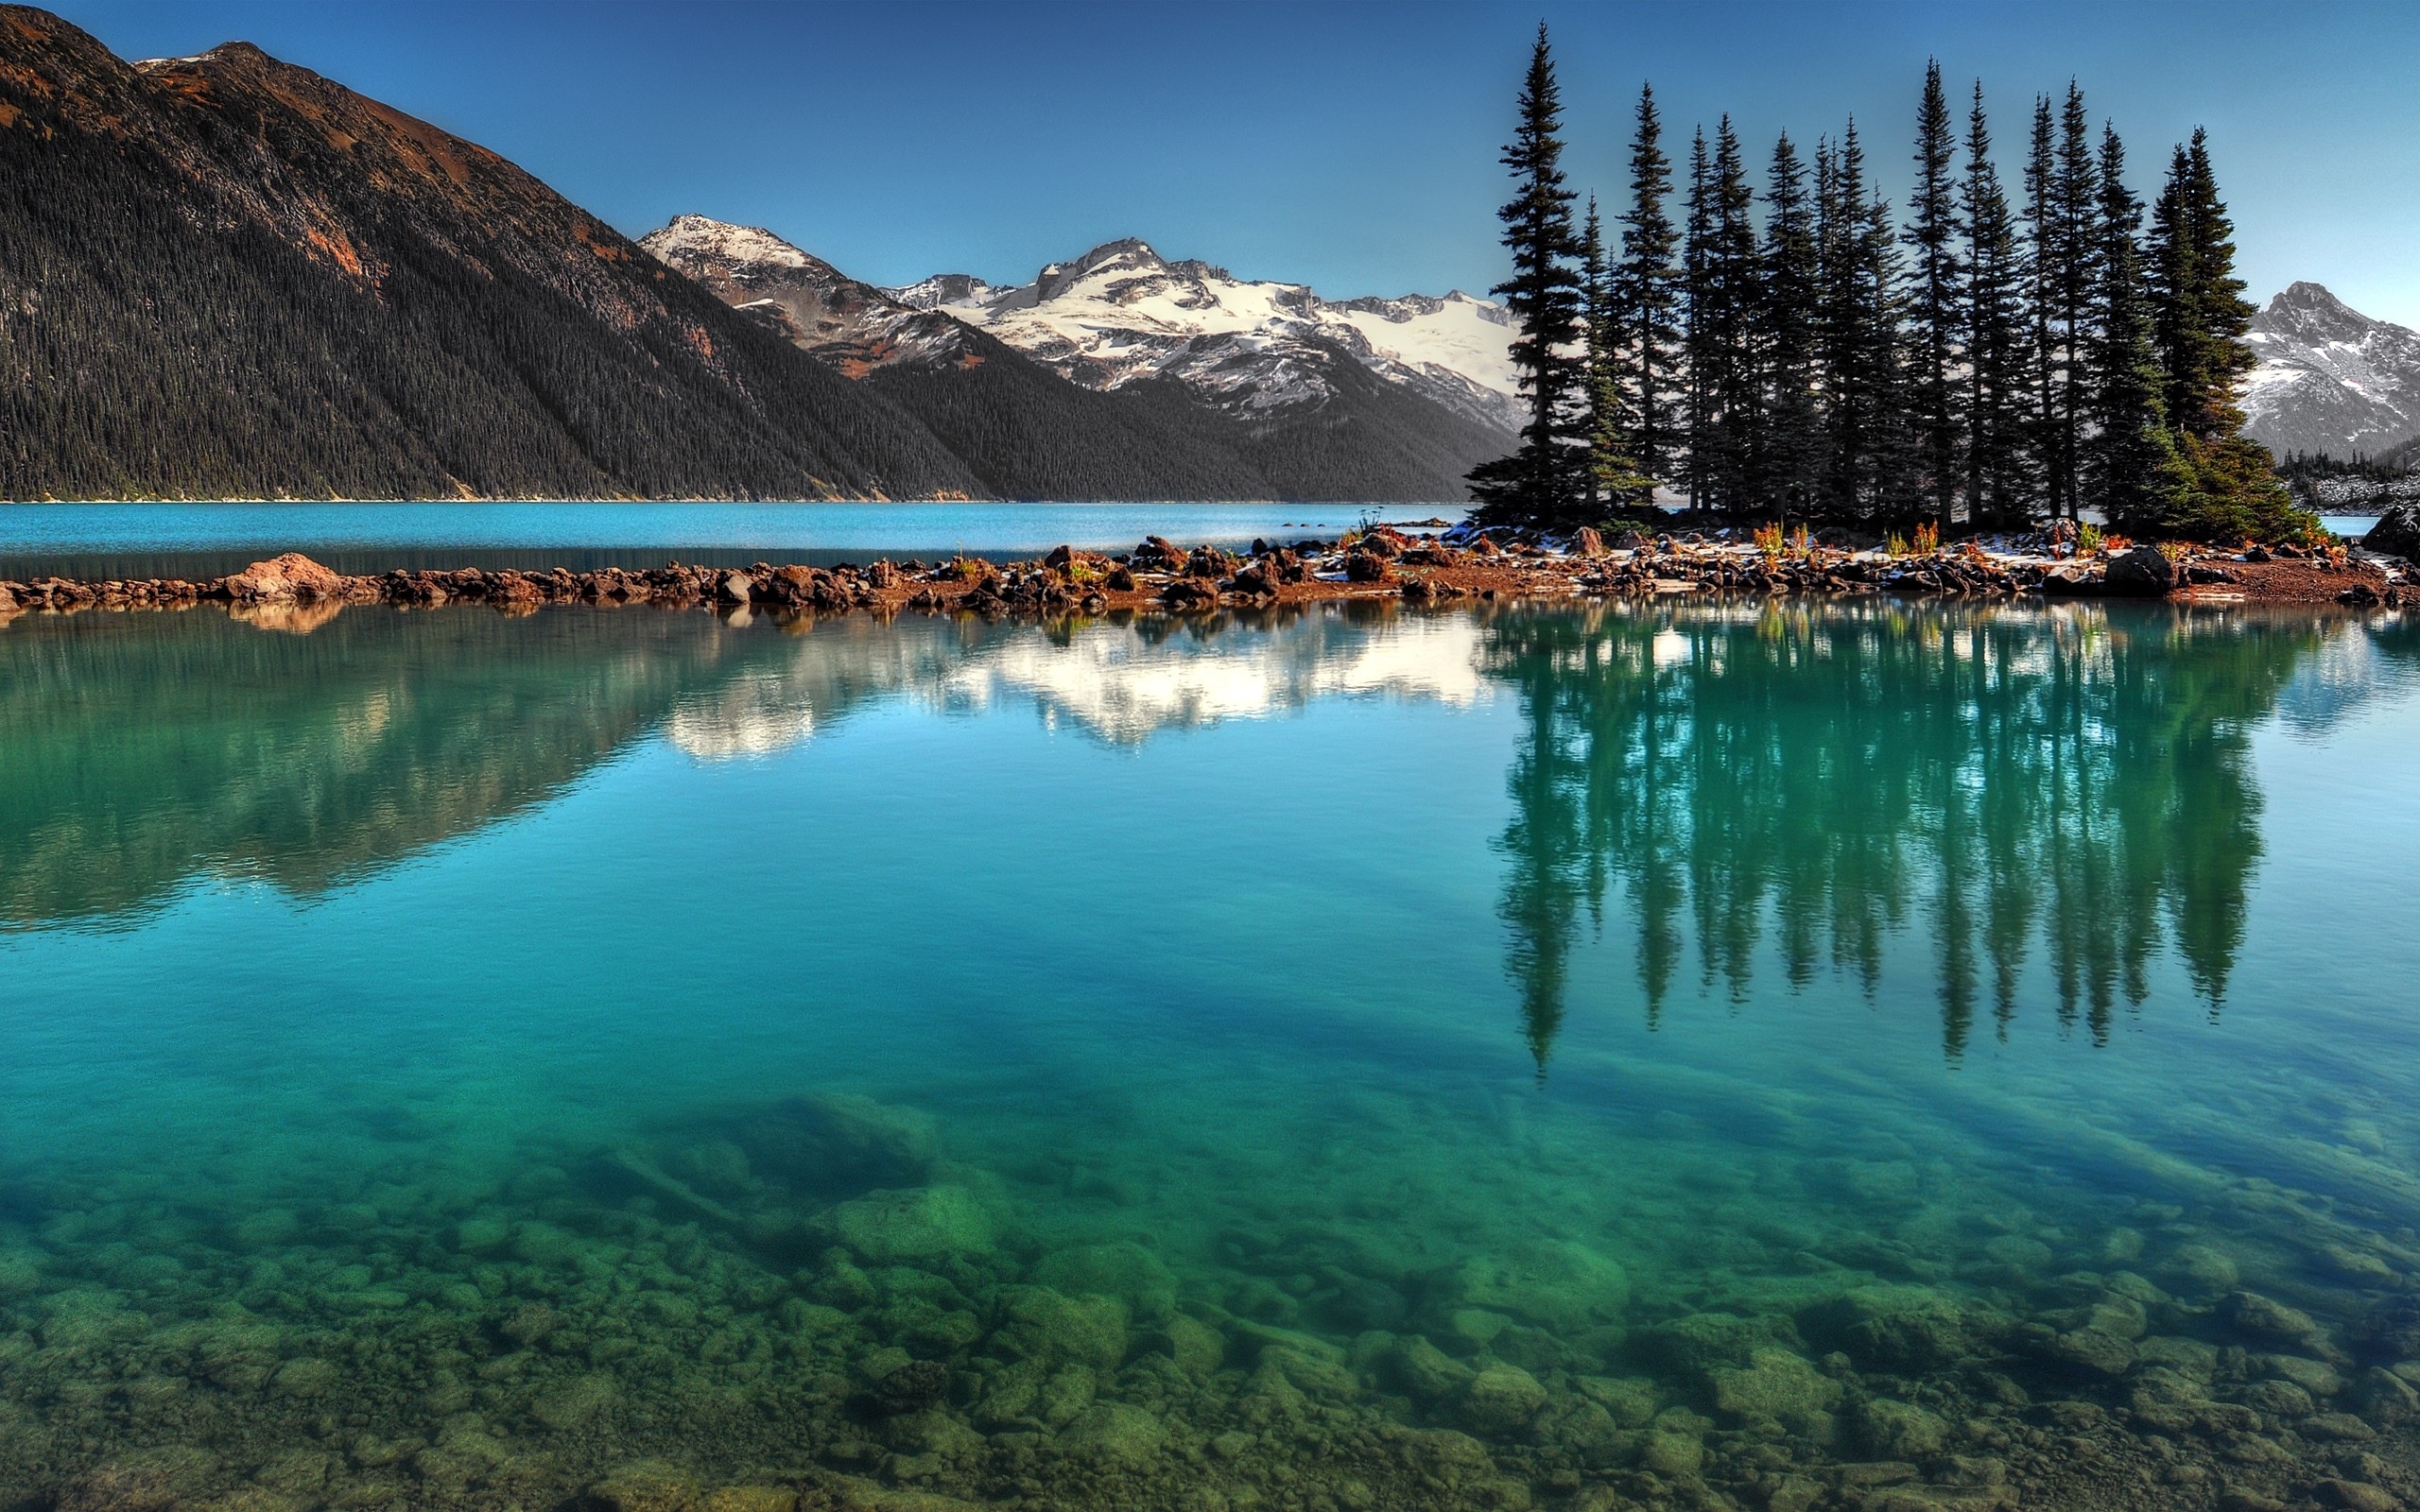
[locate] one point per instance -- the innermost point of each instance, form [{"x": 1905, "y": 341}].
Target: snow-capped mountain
[
  {"x": 853, "y": 326},
  {"x": 1122, "y": 311},
  {"x": 1266, "y": 400},
  {"x": 2330, "y": 378}
]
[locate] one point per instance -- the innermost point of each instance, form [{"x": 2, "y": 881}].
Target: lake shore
[{"x": 1381, "y": 563}]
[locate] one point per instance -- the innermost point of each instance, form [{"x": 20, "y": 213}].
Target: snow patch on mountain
[
  {"x": 854, "y": 326},
  {"x": 2330, "y": 378},
  {"x": 1121, "y": 312}
]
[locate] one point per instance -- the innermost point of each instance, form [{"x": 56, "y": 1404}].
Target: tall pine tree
[
  {"x": 1541, "y": 483},
  {"x": 1608, "y": 471},
  {"x": 2131, "y": 465},
  {"x": 1789, "y": 454},
  {"x": 1998, "y": 486},
  {"x": 1648, "y": 294},
  {"x": 2229, "y": 487},
  {"x": 1934, "y": 302}
]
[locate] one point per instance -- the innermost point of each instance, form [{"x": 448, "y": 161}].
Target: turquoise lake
[{"x": 1695, "y": 1054}]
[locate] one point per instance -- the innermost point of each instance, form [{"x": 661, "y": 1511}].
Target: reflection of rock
[{"x": 286, "y": 615}]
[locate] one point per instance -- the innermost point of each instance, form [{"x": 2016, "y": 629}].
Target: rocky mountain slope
[
  {"x": 1122, "y": 313},
  {"x": 2330, "y": 378},
  {"x": 227, "y": 276},
  {"x": 1268, "y": 412}
]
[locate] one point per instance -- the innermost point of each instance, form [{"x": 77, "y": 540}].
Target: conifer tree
[
  {"x": 1648, "y": 294},
  {"x": 2043, "y": 260},
  {"x": 1699, "y": 304},
  {"x": 2228, "y": 485},
  {"x": 1995, "y": 346},
  {"x": 1790, "y": 458},
  {"x": 2075, "y": 193},
  {"x": 1723, "y": 294},
  {"x": 1859, "y": 343},
  {"x": 2131, "y": 463},
  {"x": 1934, "y": 302},
  {"x": 1540, "y": 483},
  {"x": 1608, "y": 471}
]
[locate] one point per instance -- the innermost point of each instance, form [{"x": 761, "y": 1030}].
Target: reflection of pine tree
[{"x": 2080, "y": 781}]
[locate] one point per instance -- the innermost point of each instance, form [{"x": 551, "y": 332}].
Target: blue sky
[{"x": 1351, "y": 147}]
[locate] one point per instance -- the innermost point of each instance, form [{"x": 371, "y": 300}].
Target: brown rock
[
  {"x": 1121, "y": 578},
  {"x": 1367, "y": 567},
  {"x": 735, "y": 588},
  {"x": 285, "y": 579},
  {"x": 1061, "y": 558},
  {"x": 883, "y": 576},
  {"x": 1586, "y": 542},
  {"x": 1189, "y": 593},
  {"x": 1382, "y": 545}
]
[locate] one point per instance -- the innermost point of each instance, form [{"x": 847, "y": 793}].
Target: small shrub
[
  {"x": 2089, "y": 539},
  {"x": 1894, "y": 544},
  {"x": 1768, "y": 538},
  {"x": 1802, "y": 541},
  {"x": 1927, "y": 538}
]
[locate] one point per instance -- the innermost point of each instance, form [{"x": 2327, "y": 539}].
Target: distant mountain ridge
[
  {"x": 1121, "y": 312},
  {"x": 225, "y": 276},
  {"x": 2331, "y": 379},
  {"x": 228, "y": 277},
  {"x": 1239, "y": 406}
]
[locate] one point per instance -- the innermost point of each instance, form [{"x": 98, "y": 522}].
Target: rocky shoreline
[{"x": 1382, "y": 563}]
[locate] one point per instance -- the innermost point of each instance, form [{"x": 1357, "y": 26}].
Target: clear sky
[{"x": 1350, "y": 147}]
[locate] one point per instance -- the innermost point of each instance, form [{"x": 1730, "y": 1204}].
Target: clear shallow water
[
  {"x": 1800, "y": 1056},
  {"x": 206, "y": 540}
]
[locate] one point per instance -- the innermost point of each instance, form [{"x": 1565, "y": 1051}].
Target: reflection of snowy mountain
[
  {"x": 1118, "y": 683},
  {"x": 2348, "y": 669}
]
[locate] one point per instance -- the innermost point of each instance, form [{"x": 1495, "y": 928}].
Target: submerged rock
[
  {"x": 1774, "y": 1384},
  {"x": 903, "y": 1227},
  {"x": 1126, "y": 1271},
  {"x": 1555, "y": 1284}
]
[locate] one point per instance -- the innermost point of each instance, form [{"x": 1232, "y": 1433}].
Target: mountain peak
[{"x": 695, "y": 238}]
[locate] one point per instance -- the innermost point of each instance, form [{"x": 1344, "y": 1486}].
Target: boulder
[
  {"x": 2396, "y": 534},
  {"x": 1586, "y": 542},
  {"x": 1367, "y": 567},
  {"x": 285, "y": 579},
  {"x": 1188, "y": 593},
  {"x": 2143, "y": 572},
  {"x": 735, "y": 588}
]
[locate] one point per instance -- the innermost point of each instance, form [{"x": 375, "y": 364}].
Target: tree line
[{"x": 1977, "y": 361}]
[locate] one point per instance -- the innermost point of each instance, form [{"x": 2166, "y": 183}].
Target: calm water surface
[
  {"x": 106, "y": 540},
  {"x": 1694, "y": 1056}
]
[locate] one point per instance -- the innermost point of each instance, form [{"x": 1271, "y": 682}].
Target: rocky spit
[{"x": 1380, "y": 563}]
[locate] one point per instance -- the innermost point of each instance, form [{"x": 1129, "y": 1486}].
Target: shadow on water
[{"x": 2074, "y": 784}]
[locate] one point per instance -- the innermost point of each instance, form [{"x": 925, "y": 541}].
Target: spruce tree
[
  {"x": 1540, "y": 483},
  {"x": 2131, "y": 464},
  {"x": 1703, "y": 353},
  {"x": 1934, "y": 302},
  {"x": 1857, "y": 255},
  {"x": 2228, "y": 488},
  {"x": 1996, "y": 351},
  {"x": 2043, "y": 260},
  {"x": 1648, "y": 294},
  {"x": 1608, "y": 472},
  {"x": 1731, "y": 289},
  {"x": 1790, "y": 458},
  {"x": 2076, "y": 206}
]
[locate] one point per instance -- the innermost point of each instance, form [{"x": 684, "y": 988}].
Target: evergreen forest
[{"x": 1778, "y": 339}]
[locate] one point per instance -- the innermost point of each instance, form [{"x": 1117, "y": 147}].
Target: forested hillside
[{"x": 227, "y": 276}]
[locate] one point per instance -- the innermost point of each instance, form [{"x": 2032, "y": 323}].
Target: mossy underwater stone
[
  {"x": 1554, "y": 1283},
  {"x": 1500, "y": 1399},
  {"x": 1893, "y": 1430},
  {"x": 919, "y": 1224},
  {"x": 1115, "y": 1432},
  {"x": 1125, "y": 1271},
  {"x": 1916, "y": 1327},
  {"x": 1040, "y": 1324},
  {"x": 1775, "y": 1385}
]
